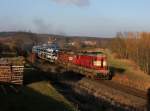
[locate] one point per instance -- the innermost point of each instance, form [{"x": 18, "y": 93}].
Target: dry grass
[{"x": 131, "y": 76}]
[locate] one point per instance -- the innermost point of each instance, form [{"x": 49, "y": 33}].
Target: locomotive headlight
[
  {"x": 104, "y": 63},
  {"x": 70, "y": 58},
  {"x": 97, "y": 63}
]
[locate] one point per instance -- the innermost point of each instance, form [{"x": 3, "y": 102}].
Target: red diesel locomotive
[{"x": 90, "y": 64}]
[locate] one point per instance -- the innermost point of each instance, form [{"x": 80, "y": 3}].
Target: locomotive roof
[
  {"x": 86, "y": 53},
  {"x": 92, "y": 53}
]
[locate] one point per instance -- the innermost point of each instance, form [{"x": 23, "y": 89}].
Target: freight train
[
  {"x": 46, "y": 52},
  {"x": 90, "y": 64}
]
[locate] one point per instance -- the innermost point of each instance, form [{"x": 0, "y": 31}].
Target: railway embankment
[
  {"x": 117, "y": 98},
  {"x": 84, "y": 92}
]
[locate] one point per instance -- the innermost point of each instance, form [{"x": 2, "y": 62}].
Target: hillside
[{"x": 127, "y": 72}]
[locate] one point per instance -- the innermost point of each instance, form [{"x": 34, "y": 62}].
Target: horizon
[
  {"x": 69, "y": 36},
  {"x": 92, "y": 18}
]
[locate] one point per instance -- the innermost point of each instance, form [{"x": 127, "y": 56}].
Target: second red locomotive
[{"x": 91, "y": 64}]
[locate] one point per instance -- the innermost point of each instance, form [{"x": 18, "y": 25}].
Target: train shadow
[
  {"x": 36, "y": 75},
  {"x": 31, "y": 76},
  {"x": 71, "y": 76}
]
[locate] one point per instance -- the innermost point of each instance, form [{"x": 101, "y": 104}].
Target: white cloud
[{"x": 75, "y": 2}]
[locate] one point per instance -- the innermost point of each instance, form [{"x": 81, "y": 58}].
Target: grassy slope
[
  {"x": 128, "y": 69},
  {"x": 40, "y": 96},
  {"x": 48, "y": 90}
]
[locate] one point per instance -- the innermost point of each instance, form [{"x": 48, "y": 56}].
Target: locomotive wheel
[{"x": 107, "y": 77}]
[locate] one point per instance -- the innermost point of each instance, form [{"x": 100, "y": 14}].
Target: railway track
[{"x": 123, "y": 88}]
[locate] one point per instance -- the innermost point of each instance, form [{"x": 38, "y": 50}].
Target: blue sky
[{"x": 100, "y": 18}]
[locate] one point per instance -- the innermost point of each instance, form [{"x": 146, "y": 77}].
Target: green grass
[{"x": 39, "y": 96}]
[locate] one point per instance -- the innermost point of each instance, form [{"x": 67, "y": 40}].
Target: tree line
[{"x": 133, "y": 46}]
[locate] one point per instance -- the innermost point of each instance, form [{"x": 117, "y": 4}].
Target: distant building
[
  {"x": 51, "y": 40},
  {"x": 88, "y": 42},
  {"x": 72, "y": 43}
]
